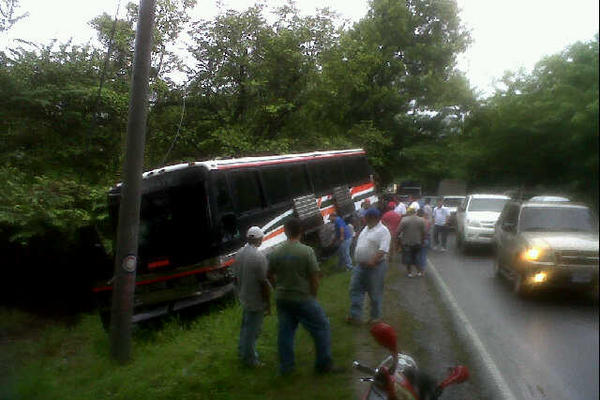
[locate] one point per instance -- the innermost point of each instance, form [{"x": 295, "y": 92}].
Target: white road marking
[{"x": 487, "y": 360}]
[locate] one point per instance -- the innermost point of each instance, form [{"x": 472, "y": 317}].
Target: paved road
[{"x": 546, "y": 347}]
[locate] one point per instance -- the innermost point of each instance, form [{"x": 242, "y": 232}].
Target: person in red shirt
[{"x": 391, "y": 219}]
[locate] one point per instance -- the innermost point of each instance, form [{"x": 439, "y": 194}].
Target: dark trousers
[{"x": 440, "y": 230}]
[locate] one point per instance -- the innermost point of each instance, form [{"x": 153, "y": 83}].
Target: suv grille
[{"x": 574, "y": 257}]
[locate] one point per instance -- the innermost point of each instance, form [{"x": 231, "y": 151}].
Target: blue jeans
[
  {"x": 367, "y": 280},
  {"x": 344, "y": 254},
  {"x": 310, "y": 314},
  {"x": 422, "y": 256},
  {"x": 251, "y": 325}
]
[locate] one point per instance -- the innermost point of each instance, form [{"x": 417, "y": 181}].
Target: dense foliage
[
  {"x": 287, "y": 83},
  {"x": 541, "y": 128}
]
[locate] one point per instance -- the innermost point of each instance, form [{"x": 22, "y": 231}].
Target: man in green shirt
[{"x": 294, "y": 272}]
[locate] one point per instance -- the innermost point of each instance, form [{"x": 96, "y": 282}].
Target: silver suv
[
  {"x": 476, "y": 218},
  {"x": 547, "y": 244}
]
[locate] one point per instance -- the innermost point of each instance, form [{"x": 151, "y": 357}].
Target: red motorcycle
[{"x": 398, "y": 378}]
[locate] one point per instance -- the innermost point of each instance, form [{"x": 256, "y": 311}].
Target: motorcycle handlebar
[{"x": 363, "y": 368}]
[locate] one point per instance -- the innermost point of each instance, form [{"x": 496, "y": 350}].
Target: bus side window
[
  {"x": 326, "y": 174},
  {"x": 246, "y": 190},
  {"x": 336, "y": 177},
  {"x": 224, "y": 203},
  {"x": 275, "y": 181},
  {"x": 357, "y": 170},
  {"x": 299, "y": 184},
  {"x": 320, "y": 176},
  {"x": 228, "y": 220}
]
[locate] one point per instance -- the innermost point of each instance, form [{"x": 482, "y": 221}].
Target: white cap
[{"x": 255, "y": 233}]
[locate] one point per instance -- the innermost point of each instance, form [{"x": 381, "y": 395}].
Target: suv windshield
[
  {"x": 556, "y": 219},
  {"x": 487, "y": 204}
]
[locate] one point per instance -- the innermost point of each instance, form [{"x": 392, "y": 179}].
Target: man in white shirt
[
  {"x": 250, "y": 271},
  {"x": 440, "y": 225},
  {"x": 427, "y": 208},
  {"x": 371, "y": 251},
  {"x": 400, "y": 208}
]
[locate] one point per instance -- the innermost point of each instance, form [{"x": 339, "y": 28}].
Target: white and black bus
[{"x": 194, "y": 217}]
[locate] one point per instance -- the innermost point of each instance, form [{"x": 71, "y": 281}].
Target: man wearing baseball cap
[
  {"x": 250, "y": 270},
  {"x": 372, "y": 247}
]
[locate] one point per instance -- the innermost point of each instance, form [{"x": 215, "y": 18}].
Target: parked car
[
  {"x": 549, "y": 198},
  {"x": 476, "y": 219},
  {"x": 547, "y": 244},
  {"x": 452, "y": 203},
  {"x": 432, "y": 200}
]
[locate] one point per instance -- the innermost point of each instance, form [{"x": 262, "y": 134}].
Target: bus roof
[{"x": 256, "y": 161}]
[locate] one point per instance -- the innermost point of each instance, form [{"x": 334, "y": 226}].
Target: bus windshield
[{"x": 174, "y": 224}]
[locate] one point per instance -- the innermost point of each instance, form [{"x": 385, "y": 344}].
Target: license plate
[{"x": 581, "y": 277}]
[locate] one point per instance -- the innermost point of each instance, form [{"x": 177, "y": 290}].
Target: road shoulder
[{"x": 425, "y": 331}]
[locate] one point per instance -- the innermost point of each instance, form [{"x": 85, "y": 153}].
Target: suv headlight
[
  {"x": 537, "y": 254},
  {"x": 474, "y": 223}
]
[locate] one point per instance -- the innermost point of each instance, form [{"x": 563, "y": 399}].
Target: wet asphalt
[{"x": 545, "y": 346}]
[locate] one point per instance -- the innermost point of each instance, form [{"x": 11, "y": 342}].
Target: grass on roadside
[{"x": 177, "y": 361}]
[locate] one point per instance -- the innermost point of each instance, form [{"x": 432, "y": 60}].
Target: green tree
[
  {"x": 396, "y": 67},
  {"x": 541, "y": 128},
  {"x": 8, "y": 14}
]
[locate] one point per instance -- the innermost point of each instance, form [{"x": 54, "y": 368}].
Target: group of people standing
[
  {"x": 412, "y": 226},
  {"x": 292, "y": 269}
]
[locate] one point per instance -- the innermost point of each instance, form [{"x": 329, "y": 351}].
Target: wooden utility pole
[{"x": 129, "y": 209}]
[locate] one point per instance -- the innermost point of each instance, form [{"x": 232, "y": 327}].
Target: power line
[{"x": 178, "y": 130}]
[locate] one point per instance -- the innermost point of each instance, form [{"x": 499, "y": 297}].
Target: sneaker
[
  {"x": 419, "y": 274},
  {"x": 374, "y": 321},
  {"x": 435, "y": 248},
  {"x": 444, "y": 249},
  {"x": 410, "y": 275}
]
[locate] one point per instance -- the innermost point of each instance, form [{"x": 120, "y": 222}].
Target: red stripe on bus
[
  {"x": 326, "y": 211},
  {"x": 169, "y": 277},
  {"x": 361, "y": 188},
  {"x": 276, "y": 232},
  {"x": 272, "y": 162},
  {"x": 157, "y": 264}
]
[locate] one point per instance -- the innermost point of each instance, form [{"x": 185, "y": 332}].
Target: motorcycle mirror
[
  {"x": 455, "y": 376},
  {"x": 385, "y": 335}
]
